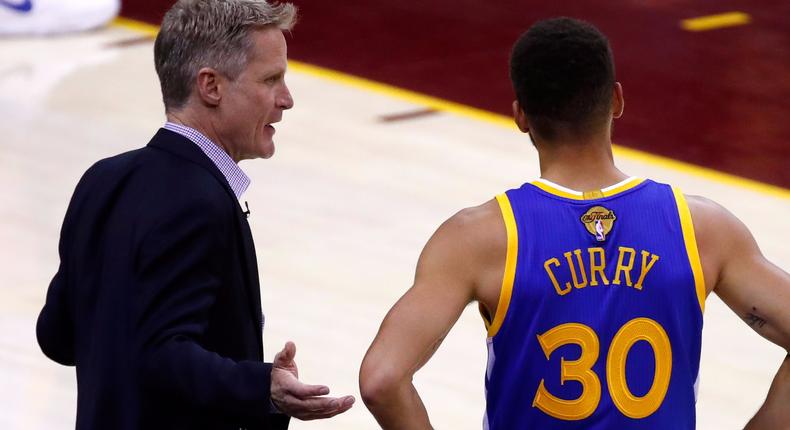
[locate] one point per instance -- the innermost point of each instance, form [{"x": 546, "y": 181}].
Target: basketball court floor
[{"x": 363, "y": 175}]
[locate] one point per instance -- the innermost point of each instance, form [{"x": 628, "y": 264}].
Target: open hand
[{"x": 299, "y": 400}]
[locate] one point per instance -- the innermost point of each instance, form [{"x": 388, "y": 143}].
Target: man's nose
[{"x": 284, "y": 99}]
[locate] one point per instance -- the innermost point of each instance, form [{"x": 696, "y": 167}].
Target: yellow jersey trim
[
  {"x": 588, "y": 195},
  {"x": 626, "y": 186},
  {"x": 556, "y": 191},
  {"x": 510, "y": 265},
  {"x": 690, "y": 240}
]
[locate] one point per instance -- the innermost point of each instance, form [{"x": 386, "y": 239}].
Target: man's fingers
[
  {"x": 290, "y": 350},
  {"x": 304, "y": 391},
  {"x": 346, "y": 403},
  {"x": 299, "y": 400},
  {"x": 323, "y": 407},
  {"x": 343, "y": 404},
  {"x": 286, "y": 356}
]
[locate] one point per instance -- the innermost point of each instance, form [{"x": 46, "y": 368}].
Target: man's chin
[
  {"x": 268, "y": 152},
  {"x": 265, "y": 150},
  {"x": 265, "y": 153}
]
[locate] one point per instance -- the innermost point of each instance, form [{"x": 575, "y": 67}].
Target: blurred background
[
  {"x": 714, "y": 93},
  {"x": 401, "y": 118}
]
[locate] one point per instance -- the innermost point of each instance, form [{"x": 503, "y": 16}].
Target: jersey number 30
[{"x": 581, "y": 370}]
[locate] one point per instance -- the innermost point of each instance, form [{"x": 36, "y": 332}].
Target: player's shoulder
[
  {"x": 709, "y": 215},
  {"x": 477, "y": 229},
  {"x": 717, "y": 230},
  {"x": 477, "y": 216},
  {"x": 475, "y": 220},
  {"x": 468, "y": 243}
]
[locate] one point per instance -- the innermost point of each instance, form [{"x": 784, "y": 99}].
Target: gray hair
[{"x": 210, "y": 33}]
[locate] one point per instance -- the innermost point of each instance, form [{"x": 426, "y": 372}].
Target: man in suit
[{"x": 156, "y": 300}]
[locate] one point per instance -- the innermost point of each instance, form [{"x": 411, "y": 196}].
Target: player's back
[{"x": 600, "y": 316}]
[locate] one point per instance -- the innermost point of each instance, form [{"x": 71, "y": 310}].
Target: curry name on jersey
[{"x": 599, "y": 320}]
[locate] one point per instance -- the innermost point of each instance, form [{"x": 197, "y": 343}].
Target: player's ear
[
  {"x": 618, "y": 104},
  {"x": 520, "y": 117},
  {"x": 209, "y": 84}
]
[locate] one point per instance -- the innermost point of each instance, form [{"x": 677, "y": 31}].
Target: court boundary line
[
  {"x": 495, "y": 118},
  {"x": 716, "y": 21}
]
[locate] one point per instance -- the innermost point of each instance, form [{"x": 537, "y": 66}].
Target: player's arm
[
  {"x": 445, "y": 282},
  {"x": 773, "y": 413},
  {"x": 754, "y": 288}
]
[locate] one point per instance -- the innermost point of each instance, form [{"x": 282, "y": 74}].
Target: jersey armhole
[
  {"x": 509, "y": 275},
  {"x": 690, "y": 240}
]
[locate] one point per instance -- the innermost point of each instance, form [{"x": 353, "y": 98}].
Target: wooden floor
[{"x": 339, "y": 216}]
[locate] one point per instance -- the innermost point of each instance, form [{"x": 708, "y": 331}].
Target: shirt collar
[{"x": 236, "y": 178}]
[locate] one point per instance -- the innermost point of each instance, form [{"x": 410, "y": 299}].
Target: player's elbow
[{"x": 377, "y": 383}]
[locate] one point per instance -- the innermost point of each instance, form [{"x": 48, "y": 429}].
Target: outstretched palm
[{"x": 299, "y": 400}]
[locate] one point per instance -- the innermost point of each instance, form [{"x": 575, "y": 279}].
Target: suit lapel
[
  {"x": 253, "y": 284},
  {"x": 176, "y": 144}
]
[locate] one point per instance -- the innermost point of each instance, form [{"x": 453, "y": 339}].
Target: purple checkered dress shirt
[{"x": 236, "y": 178}]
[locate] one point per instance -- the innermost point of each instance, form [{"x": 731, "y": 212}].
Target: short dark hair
[{"x": 563, "y": 74}]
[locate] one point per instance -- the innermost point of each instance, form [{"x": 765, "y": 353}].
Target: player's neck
[{"x": 581, "y": 166}]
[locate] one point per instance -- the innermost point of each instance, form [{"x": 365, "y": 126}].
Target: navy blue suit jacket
[{"x": 156, "y": 300}]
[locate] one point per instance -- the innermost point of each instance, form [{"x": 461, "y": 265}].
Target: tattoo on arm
[{"x": 754, "y": 320}]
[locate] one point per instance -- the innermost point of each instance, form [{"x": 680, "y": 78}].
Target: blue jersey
[{"x": 599, "y": 319}]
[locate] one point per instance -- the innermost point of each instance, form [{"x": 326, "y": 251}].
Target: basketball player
[{"x": 596, "y": 322}]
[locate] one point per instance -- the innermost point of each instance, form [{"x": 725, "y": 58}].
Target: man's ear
[
  {"x": 520, "y": 117},
  {"x": 209, "y": 86},
  {"x": 618, "y": 103}
]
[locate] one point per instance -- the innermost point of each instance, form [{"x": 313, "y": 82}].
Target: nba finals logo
[{"x": 599, "y": 222}]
